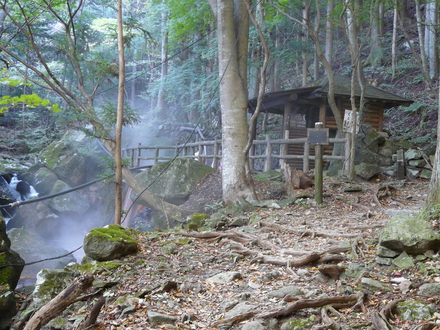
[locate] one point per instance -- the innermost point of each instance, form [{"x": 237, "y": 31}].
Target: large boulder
[
  {"x": 9, "y": 277},
  {"x": 110, "y": 242},
  {"x": 72, "y": 203},
  {"x": 44, "y": 180},
  {"x": 409, "y": 234},
  {"x": 75, "y": 159},
  {"x": 367, "y": 171},
  {"x": 176, "y": 183},
  {"x": 33, "y": 247}
]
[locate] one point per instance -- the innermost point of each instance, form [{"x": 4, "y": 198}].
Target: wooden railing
[{"x": 264, "y": 154}]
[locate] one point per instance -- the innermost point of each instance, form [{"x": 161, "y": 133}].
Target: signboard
[
  {"x": 349, "y": 123},
  {"x": 317, "y": 136}
]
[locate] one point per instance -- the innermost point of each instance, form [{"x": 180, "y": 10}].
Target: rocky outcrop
[
  {"x": 9, "y": 277},
  {"x": 176, "y": 185},
  {"x": 110, "y": 242}
]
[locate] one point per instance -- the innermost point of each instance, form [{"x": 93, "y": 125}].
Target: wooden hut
[{"x": 302, "y": 107}]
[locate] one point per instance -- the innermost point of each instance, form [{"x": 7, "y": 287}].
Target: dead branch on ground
[{"x": 59, "y": 303}]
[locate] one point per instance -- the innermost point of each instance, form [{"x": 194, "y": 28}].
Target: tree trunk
[
  {"x": 432, "y": 204},
  {"x": 232, "y": 34},
  {"x": 119, "y": 118},
  {"x": 431, "y": 37},
  {"x": 161, "y": 109},
  {"x": 394, "y": 43},
  {"x": 329, "y": 33}
]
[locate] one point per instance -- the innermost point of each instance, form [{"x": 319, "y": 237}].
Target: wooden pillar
[
  {"x": 306, "y": 164},
  {"x": 323, "y": 112},
  {"x": 215, "y": 161},
  {"x": 138, "y": 161},
  {"x": 268, "y": 163},
  {"x": 286, "y": 132},
  {"x": 319, "y": 151}
]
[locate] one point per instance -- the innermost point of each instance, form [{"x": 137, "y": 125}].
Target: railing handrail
[{"x": 188, "y": 150}]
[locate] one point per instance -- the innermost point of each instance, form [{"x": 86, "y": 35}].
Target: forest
[{"x": 155, "y": 66}]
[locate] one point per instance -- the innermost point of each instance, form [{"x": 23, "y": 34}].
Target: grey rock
[
  {"x": 159, "y": 318},
  {"x": 426, "y": 174},
  {"x": 253, "y": 325},
  {"x": 403, "y": 261},
  {"x": 373, "y": 286},
  {"x": 429, "y": 290},
  {"x": 417, "y": 163},
  {"x": 367, "y": 171},
  {"x": 240, "y": 309},
  {"x": 224, "y": 278},
  {"x": 384, "y": 261},
  {"x": 413, "y": 154},
  {"x": 412, "y": 172},
  {"x": 287, "y": 290},
  {"x": 409, "y": 234},
  {"x": 382, "y": 251}
]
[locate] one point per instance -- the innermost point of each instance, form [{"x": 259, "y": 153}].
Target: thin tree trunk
[
  {"x": 329, "y": 33},
  {"x": 162, "y": 113},
  {"x": 119, "y": 118},
  {"x": 394, "y": 43}
]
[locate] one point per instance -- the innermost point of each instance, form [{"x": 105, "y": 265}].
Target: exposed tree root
[{"x": 337, "y": 302}]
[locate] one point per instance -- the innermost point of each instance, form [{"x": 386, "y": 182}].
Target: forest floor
[{"x": 317, "y": 253}]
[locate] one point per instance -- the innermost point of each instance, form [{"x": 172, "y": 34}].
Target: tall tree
[
  {"x": 119, "y": 117},
  {"x": 233, "y": 36}
]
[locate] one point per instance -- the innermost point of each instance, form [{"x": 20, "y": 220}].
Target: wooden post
[
  {"x": 400, "y": 165},
  {"x": 215, "y": 161},
  {"x": 346, "y": 169},
  {"x": 268, "y": 163},
  {"x": 319, "y": 151},
  {"x": 306, "y": 165},
  {"x": 156, "y": 155},
  {"x": 251, "y": 153},
  {"x": 138, "y": 161}
]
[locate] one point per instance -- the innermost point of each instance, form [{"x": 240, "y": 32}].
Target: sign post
[{"x": 318, "y": 137}]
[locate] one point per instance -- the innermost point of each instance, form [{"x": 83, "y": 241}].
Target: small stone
[
  {"x": 225, "y": 277},
  {"x": 240, "y": 309},
  {"x": 403, "y": 261},
  {"x": 382, "y": 251},
  {"x": 429, "y": 290},
  {"x": 384, "y": 261},
  {"x": 412, "y": 154},
  {"x": 414, "y": 310},
  {"x": 373, "y": 286},
  {"x": 159, "y": 318},
  {"x": 290, "y": 290},
  {"x": 253, "y": 325}
]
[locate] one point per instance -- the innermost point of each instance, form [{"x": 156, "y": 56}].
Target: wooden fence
[{"x": 264, "y": 154}]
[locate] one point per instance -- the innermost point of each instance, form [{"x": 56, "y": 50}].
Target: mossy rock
[
  {"x": 197, "y": 220},
  {"x": 110, "y": 242},
  {"x": 176, "y": 184}
]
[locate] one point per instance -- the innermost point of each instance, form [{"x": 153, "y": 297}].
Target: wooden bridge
[{"x": 264, "y": 154}]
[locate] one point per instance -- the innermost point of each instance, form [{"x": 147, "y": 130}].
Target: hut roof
[{"x": 316, "y": 91}]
